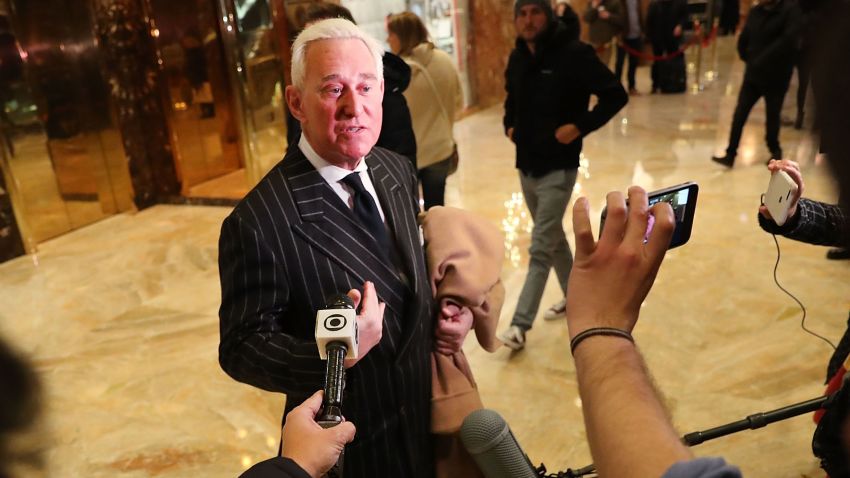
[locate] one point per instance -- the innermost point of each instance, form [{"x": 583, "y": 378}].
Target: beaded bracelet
[{"x": 610, "y": 331}]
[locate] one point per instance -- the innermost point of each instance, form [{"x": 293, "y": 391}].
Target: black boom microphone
[{"x": 487, "y": 437}]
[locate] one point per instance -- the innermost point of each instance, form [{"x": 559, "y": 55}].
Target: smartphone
[
  {"x": 780, "y": 192},
  {"x": 683, "y": 199}
]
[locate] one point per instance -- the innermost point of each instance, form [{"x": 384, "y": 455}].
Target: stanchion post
[
  {"x": 697, "y": 86},
  {"x": 714, "y": 69}
]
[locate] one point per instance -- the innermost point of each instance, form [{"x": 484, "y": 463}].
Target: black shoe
[
  {"x": 838, "y": 254},
  {"x": 725, "y": 160}
]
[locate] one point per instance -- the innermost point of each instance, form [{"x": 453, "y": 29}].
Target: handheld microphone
[
  {"x": 487, "y": 437},
  {"x": 337, "y": 339}
]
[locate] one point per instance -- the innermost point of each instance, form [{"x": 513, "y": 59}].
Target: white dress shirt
[{"x": 333, "y": 175}]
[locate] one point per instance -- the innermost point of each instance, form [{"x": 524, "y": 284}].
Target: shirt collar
[{"x": 331, "y": 173}]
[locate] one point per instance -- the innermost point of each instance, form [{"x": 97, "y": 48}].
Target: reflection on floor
[
  {"x": 69, "y": 183},
  {"x": 121, "y": 317}
]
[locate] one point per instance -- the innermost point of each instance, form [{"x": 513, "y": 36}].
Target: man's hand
[
  {"x": 567, "y": 133},
  {"x": 312, "y": 447},
  {"x": 370, "y": 320},
  {"x": 510, "y": 133},
  {"x": 453, "y": 324},
  {"x": 603, "y": 14},
  {"x": 611, "y": 278},
  {"x": 793, "y": 170},
  {"x": 677, "y": 32}
]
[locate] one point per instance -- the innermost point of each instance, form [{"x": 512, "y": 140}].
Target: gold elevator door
[{"x": 62, "y": 150}]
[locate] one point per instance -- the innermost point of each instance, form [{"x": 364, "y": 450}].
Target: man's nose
[{"x": 351, "y": 104}]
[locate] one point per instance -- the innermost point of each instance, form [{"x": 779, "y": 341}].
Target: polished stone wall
[
  {"x": 492, "y": 33},
  {"x": 130, "y": 61}
]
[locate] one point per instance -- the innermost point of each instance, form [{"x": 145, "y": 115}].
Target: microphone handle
[{"x": 331, "y": 414}]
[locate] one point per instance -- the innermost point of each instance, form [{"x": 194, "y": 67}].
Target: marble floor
[{"x": 120, "y": 317}]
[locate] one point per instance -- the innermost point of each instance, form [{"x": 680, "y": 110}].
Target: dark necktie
[{"x": 366, "y": 211}]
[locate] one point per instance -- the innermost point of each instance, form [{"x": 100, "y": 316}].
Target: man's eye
[{"x": 367, "y": 88}]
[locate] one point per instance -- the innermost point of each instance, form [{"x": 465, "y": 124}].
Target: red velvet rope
[{"x": 712, "y": 35}]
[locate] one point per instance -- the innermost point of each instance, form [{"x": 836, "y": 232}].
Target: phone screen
[
  {"x": 682, "y": 198},
  {"x": 678, "y": 200}
]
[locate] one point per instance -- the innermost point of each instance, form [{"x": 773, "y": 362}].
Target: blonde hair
[
  {"x": 409, "y": 29},
  {"x": 331, "y": 29}
]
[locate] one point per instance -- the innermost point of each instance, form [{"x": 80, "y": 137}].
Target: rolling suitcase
[{"x": 672, "y": 75}]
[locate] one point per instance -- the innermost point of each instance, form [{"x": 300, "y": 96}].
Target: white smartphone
[{"x": 780, "y": 193}]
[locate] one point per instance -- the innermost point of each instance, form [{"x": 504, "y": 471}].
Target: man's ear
[{"x": 293, "y": 101}]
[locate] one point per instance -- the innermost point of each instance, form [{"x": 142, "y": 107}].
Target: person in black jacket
[
  {"x": 768, "y": 45},
  {"x": 549, "y": 80},
  {"x": 565, "y": 13},
  {"x": 397, "y": 130},
  {"x": 665, "y": 23}
]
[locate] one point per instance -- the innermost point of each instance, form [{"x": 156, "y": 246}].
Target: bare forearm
[{"x": 628, "y": 428}]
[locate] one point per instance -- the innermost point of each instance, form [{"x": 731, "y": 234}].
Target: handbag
[{"x": 454, "y": 158}]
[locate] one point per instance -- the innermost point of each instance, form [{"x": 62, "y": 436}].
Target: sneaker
[
  {"x": 513, "y": 338},
  {"x": 557, "y": 311}
]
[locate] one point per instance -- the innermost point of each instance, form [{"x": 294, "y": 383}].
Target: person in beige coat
[
  {"x": 464, "y": 267},
  {"x": 434, "y": 96}
]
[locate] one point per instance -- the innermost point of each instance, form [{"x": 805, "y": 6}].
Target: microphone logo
[{"x": 335, "y": 322}]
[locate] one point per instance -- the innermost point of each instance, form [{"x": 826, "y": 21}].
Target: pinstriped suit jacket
[{"x": 287, "y": 246}]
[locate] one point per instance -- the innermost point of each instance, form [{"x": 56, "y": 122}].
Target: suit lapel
[
  {"x": 329, "y": 226},
  {"x": 398, "y": 205}
]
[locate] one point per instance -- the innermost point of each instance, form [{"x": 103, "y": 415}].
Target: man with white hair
[{"x": 335, "y": 214}]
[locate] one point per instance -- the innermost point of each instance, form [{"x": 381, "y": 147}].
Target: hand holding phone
[
  {"x": 783, "y": 191},
  {"x": 609, "y": 281},
  {"x": 683, "y": 199}
]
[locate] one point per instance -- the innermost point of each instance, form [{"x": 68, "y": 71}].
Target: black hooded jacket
[
  {"x": 552, "y": 88},
  {"x": 397, "y": 128},
  {"x": 769, "y": 42}
]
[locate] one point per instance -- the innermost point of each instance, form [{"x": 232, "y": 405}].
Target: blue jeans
[{"x": 547, "y": 198}]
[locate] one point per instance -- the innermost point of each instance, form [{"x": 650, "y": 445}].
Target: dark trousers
[
  {"x": 773, "y": 95},
  {"x": 660, "y": 48},
  {"x": 635, "y": 44},
  {"x": 803, "y": 75},
  {"x": 433, "y": 181}
]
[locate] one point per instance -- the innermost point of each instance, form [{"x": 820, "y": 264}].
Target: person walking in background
[
  {"x": 434, "y": 96},
  {"x": 665, "y": 23},
  {"x": 605, "y": 21},
  {"x": 565, "y": 13},
  {"x": 632, "y": 37},
  {"x": 549, "y": 80},
  {"x": 768, "y": 45}
]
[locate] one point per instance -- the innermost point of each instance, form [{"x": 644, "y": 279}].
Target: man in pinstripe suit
[{"x": 294, "y": 240}]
